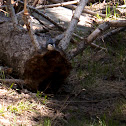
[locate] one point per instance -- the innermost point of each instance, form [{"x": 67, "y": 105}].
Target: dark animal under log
[
  {"x": 40, "y": 70},
  {"x": 47, "y": 71}
]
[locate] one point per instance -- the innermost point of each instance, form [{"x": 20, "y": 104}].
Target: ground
[{"x": 93, "y": 94}]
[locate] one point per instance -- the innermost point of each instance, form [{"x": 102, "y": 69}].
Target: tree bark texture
[{"x": 40, "y": 70}]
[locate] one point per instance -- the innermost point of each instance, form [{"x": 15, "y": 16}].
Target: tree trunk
[{"x": 40, "y": 70}]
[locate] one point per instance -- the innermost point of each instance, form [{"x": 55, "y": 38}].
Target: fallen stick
[
  {"x": 57, "y": 5},
  {"x": 64, "y": 43},
  {"x": 35, "y": 2},
  {"x": 113, "y": 32},
  {"x": 48, "y": 18},
  {"x": 12, "y": 14},
  {"x": 28, "y": 23},
  {"x": 11, "y": 81},
  {"x": 103, "y": 27}
]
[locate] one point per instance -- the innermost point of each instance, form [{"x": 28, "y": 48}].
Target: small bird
[{"x": 50, "y": 44}]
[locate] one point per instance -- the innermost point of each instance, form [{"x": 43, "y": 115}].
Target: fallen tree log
[{"x": 40, "y": 69}]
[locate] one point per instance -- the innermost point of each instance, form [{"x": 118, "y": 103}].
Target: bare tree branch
[
  {"x": 35, "y": 2},
  {"x": 28, "y": 23},
  {"x": 57, "y": 5},
  {"x": 68, "y": 34},
  {"x": 10, "y": 81},
  {"x": 113, "y": 32},
  {"x": 12, "y": 13},
  {"x": 103, "y": 27}
]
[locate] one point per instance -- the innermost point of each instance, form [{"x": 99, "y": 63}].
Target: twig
[
  {"x": 12, "y": 14},
  {"x": 113, "y": 32},
  {"x": 103, "y": 27},
  {"x": 4, "y": 11},
  {"x": 35, "y": 2},
  {"x": 60, "y": 27},
  {"x": 48, "y": 18},
  {"x": 10, "y": 81},
  {"x": 27, "y": 20},
  {"x": 87, "y": 11},
  {"x": 44, "y": 26},
  {"x": 58, "y": 4}
]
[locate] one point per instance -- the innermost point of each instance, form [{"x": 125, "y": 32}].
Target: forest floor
[{"x": 94, "y": 93}]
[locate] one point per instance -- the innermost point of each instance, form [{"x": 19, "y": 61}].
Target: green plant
[
  {"x": 45, "y": 99},
  {"x": 2, "y": 75},
  {"x": 11, "y": 85},
  {"x": 47, "y": 122},
  {"x": 98, "y": 16},
  {"x": 90, "y": 5},
  {"x": 39, "y": 94},
  {"x": 108, "y": 12},
  {"x": 20, "y": 107},
  {"x": 12, "y": 109},
  {"x": 2, "y": 110}
]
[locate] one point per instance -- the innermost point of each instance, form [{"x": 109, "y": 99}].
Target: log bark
[{"x": 39, "y": 69}]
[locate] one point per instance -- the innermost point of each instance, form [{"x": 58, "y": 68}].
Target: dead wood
[
  {"x": 68, "y": 34},
  {"x": 61, "y": 28},
  {"x": 102, "y": 28},
  {"x": 87, "y": 11},
  {"x": 29, "y": 26},
  {"x": 35, "y": 2},
  {"x": 112, "y": 32},
  {"x": 12, "y": 13},
  {"x": 57, "y": 5},
  {"x": 11, "y": 81}
]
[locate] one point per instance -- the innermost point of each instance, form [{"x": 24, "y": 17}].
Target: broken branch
[
  {"x": 12, "y": 14},
  {"x": 57, "y": 5},
  {"x": 103, "y": 27},
  {"x": 68, "y": 34}
]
